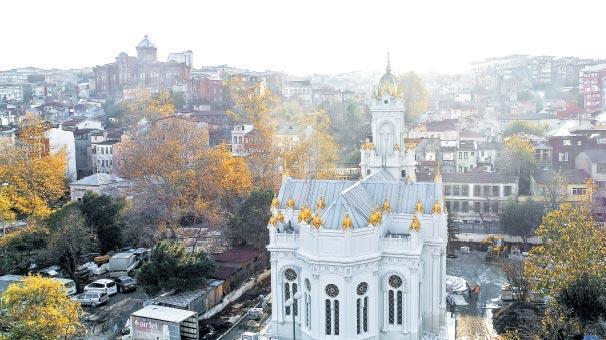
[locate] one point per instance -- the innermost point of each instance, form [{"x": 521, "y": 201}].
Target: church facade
[{"x": 367, "y": 257}]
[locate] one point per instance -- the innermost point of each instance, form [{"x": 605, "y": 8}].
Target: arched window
[
  {"x": 308, "y": 304},
  {"x": 395, "y": 290},
  {"x": 362, "y": 309},
  {"x": 331, "y": 310},
  {"x": 290, "y": 289}
]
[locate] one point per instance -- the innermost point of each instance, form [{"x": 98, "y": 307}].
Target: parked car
[
  {"x": 125, "y": 284},
  {"x": 70, "y": 285},
  {"x": 92, "y": 298},
  {"x": 102, "y": 285},
  {"x": 122, "y": 264}
]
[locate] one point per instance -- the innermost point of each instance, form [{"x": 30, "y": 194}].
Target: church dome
[
  {"x": 387, "y": 84},
  {"x": 146, "y": 43}
]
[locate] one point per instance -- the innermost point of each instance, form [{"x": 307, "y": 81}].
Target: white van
[
  {"x": 69, "y": 284},
  {"x": 122, "y": 264},
  {"x": 102, "y": 285}
]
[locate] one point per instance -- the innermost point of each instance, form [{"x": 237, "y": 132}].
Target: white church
[{"x": 366, "y": 259}]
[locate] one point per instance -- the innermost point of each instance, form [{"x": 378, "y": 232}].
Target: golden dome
[
  {"x": 320, "y": 204},
  {"x": 305, "y": 214},
  {"x": 415, "y": 224},
  {"x": 388, "y": 83},
  {"x": 437, "y": 208},
  {"x": 386, "y": 206},
  {"x": 290, "y": 203},
  {"x": 317, "y": 221},
  {"x": 275, "y": 202},
  {"x": 375, "y": 217},
  {"x": 280, "y": 217},
  {"x": 419, "y": 207},
  {"x": 347, "y": 223}
]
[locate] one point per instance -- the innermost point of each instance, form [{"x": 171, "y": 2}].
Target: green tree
[
  {"x": 412, "y": 90},
  {"x": 518, "y": 159},
  {"x": 38, "y": 308},
  {"x": 585, "y": 298},
  {"x": 517, "y": 127},
  {"x": 350, "y": 130},
  {"x": 19, "y": 248},
  {"x": 520, "y": 218},
  {"x": 249, "y": 224},
  {"x": 171, "y": 266},
  {"x": 103, "y": 215},
  {"x": 70, "y": 238}
]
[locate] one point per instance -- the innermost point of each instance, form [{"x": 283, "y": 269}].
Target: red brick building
[
  {"x": 592, "y": 80},
  {"x": 208, "y": 90}
]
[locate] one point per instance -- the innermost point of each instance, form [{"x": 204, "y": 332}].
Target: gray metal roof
[{"x": 358, "y": 199}]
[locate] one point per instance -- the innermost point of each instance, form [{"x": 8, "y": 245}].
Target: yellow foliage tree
[
  {"x": 572, "y": 244},
  {"x": 31, "y": 178},
  {"x": 38, "y": 308},
  {"x": 176, "y": 174},
  {"x": 315, "y": 156},
  {"x": 142, "y": 104}
]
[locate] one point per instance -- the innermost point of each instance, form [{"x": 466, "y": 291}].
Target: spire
[
  {"x": 438, "y": 175},
  {"x": 388, "y": 68}
]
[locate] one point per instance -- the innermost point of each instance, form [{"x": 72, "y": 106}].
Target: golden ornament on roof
[
  {"x": 438, "y": 175},
  {"x": 367, "y": 145},
  {"x": 317, "y": 221},
  {"x": 280, "y": 217},
  {"x": 396, "y": 147},
  {"x": 305, "y": 214},
  {"x": 386, "y": 206},
  {"x": 272, "y": 221},
  {"x": 290, "y": 203},
  {"x": 437, "y": 208},
  {"x": 347, "y": 223},
  {"x": 388, "y": 83},
  {"x": 419, "y": 207},
  {"x": 320, "y": 204},
  {"x": 375, "y": 217},
  {"x": 275, "y": 202},
  {"x": 415, "y": 224}
]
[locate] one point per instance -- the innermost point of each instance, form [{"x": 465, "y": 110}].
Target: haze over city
[{"x": 300, "y": 37}]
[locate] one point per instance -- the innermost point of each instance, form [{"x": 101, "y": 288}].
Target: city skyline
[{"x": 339, "y": 37}]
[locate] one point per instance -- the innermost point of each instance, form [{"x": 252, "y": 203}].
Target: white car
[
  {"x": 91, "y": 298},
  {"x": 70, "y": 285},
  {"x": 102, "y": 285}
]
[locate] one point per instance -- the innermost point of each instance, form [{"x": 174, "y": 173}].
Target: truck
[
  {"x": 122, "y": 264},
  {"x": 155, "y": 322}
]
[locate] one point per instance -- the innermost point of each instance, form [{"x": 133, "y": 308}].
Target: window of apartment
[
  {"x": 403, "y": 173},
  {"x": 447, "y": 190},
  {"x": 456, "y": 190},
  {"x": 601, "y": 168},
  {"x": 472, "y": 153},
  {"x": 465, "y": 155},
  {"x": 579, "y": 143},
  {"x": 561, "y": 156},
  {"x": 455, "y": 206},
  {"x": 460, "y": 155},
  {"x": 477, "y": 190},
  {"x": 476, "y": 207},
  {"x": 495, "y": 207},
  {"x": 507, "y": 190},
  {"x": 465, "y": 190},
  {"x": 486, "y": 207},
  {"x": 464, "y": 206},
  {"x": 579, "y": 191},
  {"x": 447, "y": 205},
  {"x": 495, "y": 190},
  {"x": 487, "y": 190},
  {"x": 566, "y": 142}
]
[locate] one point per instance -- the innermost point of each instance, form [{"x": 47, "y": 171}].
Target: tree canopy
[
  {"x": 518, "y": 159},
  {"x": 412, "y": 90},
  {"x": 171, "y": 266},
  {"x": 520, "y": 218},
  {"x": 102, "y": 214},
  {"x": 38, "y": 308},
  {"x": 520, "y": 127},
  {"x": 143, "y": 105},
  {"x": 21, "y": 247},
  {"x": 249, "y": 224}
]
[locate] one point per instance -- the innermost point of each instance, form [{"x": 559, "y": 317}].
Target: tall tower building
[
  {"x": 146, "y": 51},
  {"x": 388, "y": 148}
]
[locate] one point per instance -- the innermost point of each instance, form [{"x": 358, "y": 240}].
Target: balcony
[{"x": 284, "y": 240}]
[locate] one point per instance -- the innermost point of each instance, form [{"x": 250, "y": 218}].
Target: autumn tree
[
  {"x": 519, "y": 127},
  {"x": 573, "y": 244},
  {"x": 143, "y": 105},
  {"x": 175, "y": 174},
  {"x": 518, "y": 159},
  {"x": 412, "y": 90},
  {"x": 33, "y": 179},
  {"x": 70, "y": 238},
  {"x": 171, "y": 266},
  {"x": 251, "y": 105},
  {"x": 315, "y": 156},
  {"x": 38, "y": 308},
  {"x": 555, "y": 190}
]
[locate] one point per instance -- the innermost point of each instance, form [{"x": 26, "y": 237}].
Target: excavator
[{"x": 496, "y": 247}]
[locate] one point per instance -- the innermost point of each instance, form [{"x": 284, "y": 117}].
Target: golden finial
[
  {"x": 437, "y": 208},
  {"x": 438, "y": 175},
  {"x": 375, "y": 217},
  {"x": 415, "y": 224},
  {"x": 419, "y": 207},
  {"x": 305, "y": 214},
  {"x": 317, "y": 221},
  {"x": 275, "y": 202},
  {"x": 290, "y": 203},
  {"x": 320, "y": 204},
  {"x": 367, "y": 145},
  {"x": 386, "y": 206},
  {"x": 408, "y": 179},
  {"x": 410, "y": 145},
  {"x": 272, "y": 221},
  {"x": 396, "y": 147},
  {"x": 280, "y": 217},
  {"x": 347, "y": 223}
]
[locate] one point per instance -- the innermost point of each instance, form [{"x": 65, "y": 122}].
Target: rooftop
[
  {"x": 479, "y": 175},
  {"x": 596, "y": 155},
  {"x": 98, "y": 179},
  {"x": 572, "y": 176},
  {"x": 164, "y": 313},
  {"x": 237, "y": 255}
]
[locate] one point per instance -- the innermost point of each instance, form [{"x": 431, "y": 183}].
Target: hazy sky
[{"x": 300, "y": 37}]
